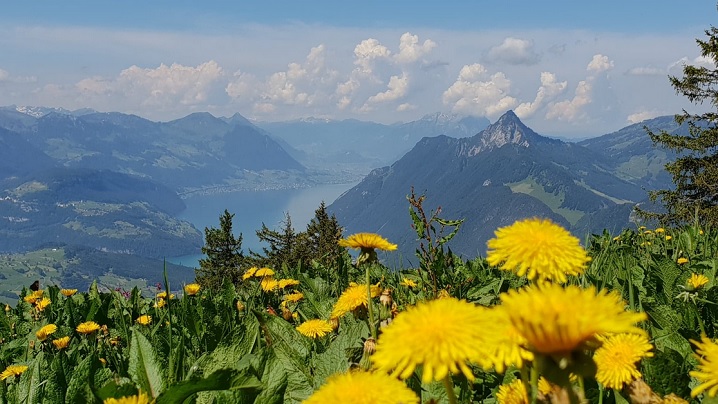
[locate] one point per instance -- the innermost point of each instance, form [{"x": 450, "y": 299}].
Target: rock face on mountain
[{"x": 502, "y": 174}]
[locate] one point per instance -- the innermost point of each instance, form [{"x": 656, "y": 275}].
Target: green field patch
[
  {"x": 28, "y": 188},
  {"x": 529, "y": 186},
  {"x": 91, "y": 208},
  {"x": 599, "y": 193}
]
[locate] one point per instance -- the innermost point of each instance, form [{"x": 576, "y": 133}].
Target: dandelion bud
[
  {"x": 286, "y": 314},
  {"x": 369, "y": 346},
  {"x": 334, "y": 322},
  {"x": 240, "y": 306},
  {"x": 385, "y": 297},
  {"x": 640, "y": 392}
]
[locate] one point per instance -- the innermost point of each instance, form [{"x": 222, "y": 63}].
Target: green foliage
[
  {"x": 695, "y": 170},
  {"x": 225, "y": 258}
]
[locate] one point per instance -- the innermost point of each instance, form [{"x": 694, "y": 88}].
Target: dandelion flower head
[
  {"x": 408, "y": 283},
  {"x": 145, "y": 319},
  {"x": 697, "y": 281},
  {"x": 359, "y": 387},
  {"x": 537, "y": 248},
  {"x": 294, "y": 297},
  {"x": 352, "y": 298},
  {"x": 88, "y": 327},
  {"x": 366, "y": 242},
  {"x": 557, "y": 320},
  {"x": 263, "y": 272},
  {"x": 140, "y": 398},
  {"x": 617, "y": 357},
  {"x": 68, "y": 292},
  {"x": 707, "y": 371},
  {"x": 192, "y": 289},
  {"x": 315, "y": 328},
  {"x": 61, "y": 343},
  {"x": 512, "y": 393},
  {"x": 12, "y": 370},
  {"x": 43, "y": 303},
  {"x": 45, "y": 331},
  {"x": 439, "y": 335}
]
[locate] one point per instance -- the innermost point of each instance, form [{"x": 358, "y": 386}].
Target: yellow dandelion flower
[
  {"x": 617, "y": 357},
  {"x": 537, "y": 248},
  {"x": 367, "y": 242},
  {"x": 262, "y": 272},
  {"x": 696, "y": 282},
  {"x": 88, "y": 327},
  {"x": 43, "y": 303},
  {"x": 707, "y": 371},
  {"x": 544, "y": 386},
  {"x": 682, "y": 261},
  {"x": 163, "y": 295},
  {"x": 443, "y": 294},
  {"x": 283, "y": 283},
  {"x": 361, "y": 387},
  {"x": 144, "y": 319},
  {"x": 641, "y": 228},
  {"x": 669, "y": 238},
  {"x": 501, "y": 344},
  {"x": 617, "y": 238},
  {"x": 660, "y": 230},
  {"x": 294, "y": 297},
  {"x": 441, "y": 335},
  {"x": 249, "y": 273},
  {"x": 352, "y": 298},
  {"x": 512, "y": 393},
  {"x": 61, "y": 343},
  {"x": 557, "y": 320},
  {"x": 160, "y": 303},
  {"x": 314, "y": 328},
  {"x": 269, "y": 284},
  {"x": 30, "y": 299},
  {"x": 45, "y": 331},
  {"x": 12, "y": 370},
  {"x": 68, "y": 292},
  {"x": 408, "y": 283},
  {"x": 648, "y": 232},
  {"x": 38, "y": 293},
  {"x": 191, "y": 289},
  {"x": 140, "y": 398},
  {"x": 240, "y": 306}
]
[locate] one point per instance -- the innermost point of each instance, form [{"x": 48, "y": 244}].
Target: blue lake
[{"x": 252, "y": 208}]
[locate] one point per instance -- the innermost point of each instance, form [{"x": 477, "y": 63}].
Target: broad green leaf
[
  {"x": 224, "y": 379},
  {"x": 30, "y": 387},
  {"x": 143, "y": 367},
  {"x": 79, "y": 390}
]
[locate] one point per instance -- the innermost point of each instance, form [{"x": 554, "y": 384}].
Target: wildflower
[
  {"x": 501, "y": 344},
  {"x": 707, "y": 372},
  {"x": 616, "y": 359},
  {"x": 673, "y": 399},
  {"x": 370, "y": 346},
  {"x": 682, "y": 261},
  {"x": 249, "y": 273},
  {"x": 441, "y": 335},
  {"x": 408, "y": 283},
  {"x": 191, "y": 289},
  {"x": 144, "y": 319},
  {"x": 7, "y": 308},
  {"x": 61, "y": 343},
  {"x": 45, "y": 331},
  {"x": 617, "y": 238},
  {"x": 366, "y": 242},
  {"x": 660, "y": 230},
  {"x": 68, "y": 292},
  {"x": 443, "y": 294},
  {"x": 263, "y": 272},
  {"x": 696, "y": 282},
  {"x": 359, "y": 387},
  {"x": 160, "y": 303},
  {"x": 43, "y": 303},
  {"x": 700, "y": 232},
  {"x": 385, "y": 299},
  {"x": 647, "y": 232},
  {"x": 352, "y": 298},
  {"x": 294, "y": 297},
  {"x": 669, "y": 237},
  {"x": 314, "y": 328},
  {"x": 512, "y": 393},
  {"x": 140, "y": 398},
  {"x": 163, "y": 295},
  {"x": 283, "y": 283},
  {"x": 537, "y": 248},
  {"x": 88, "y": 327},
  {"x": 557, "y": 320},
  {"x": 544, "y": 386},
  {"x": 240, "y": 306},
  {"x": 269, "y": 284},
  {"x": 12, "y": 370}
]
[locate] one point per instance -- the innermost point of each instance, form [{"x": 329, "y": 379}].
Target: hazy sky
[{"x": 567, "y": 68}]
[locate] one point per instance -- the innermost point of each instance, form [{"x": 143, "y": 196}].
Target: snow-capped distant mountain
[{"x": 39, "y": 112}]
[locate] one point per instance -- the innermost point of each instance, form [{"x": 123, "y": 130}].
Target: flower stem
[
  {"x": 450, "y": 389},
  {"x": 534, "y": 384},
  {"x": 372, "y": 326}
]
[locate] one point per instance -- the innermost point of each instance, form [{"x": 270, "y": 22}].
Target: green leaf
[
  {"x": 143, "y": 368},
  {"x": 224, "y": 379},
  {"x": 30, "y": 387},
  {"x": 79, "y": 390}
]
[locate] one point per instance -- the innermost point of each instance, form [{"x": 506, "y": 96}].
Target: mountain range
[{"x": 508, "y": 172}]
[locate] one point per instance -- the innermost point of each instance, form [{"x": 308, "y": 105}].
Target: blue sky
[{"x": 568, "y": 68}]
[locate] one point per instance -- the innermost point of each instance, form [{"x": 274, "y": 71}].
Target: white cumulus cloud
[
  {"x": 475, "y": 92},
  {"x": 366, "y": 52},
  {"x": 645, "y": 71},
  {"x": 599, "y": 63},
  {"x": 514, "y": 51},
  {"x": 410, "y": 50},
  {"x": 641, "y": 116},
  {"x": 549, "y": 90},
  {"x": 572, "y": 110}
]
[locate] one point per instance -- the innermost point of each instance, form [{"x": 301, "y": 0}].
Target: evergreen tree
[
  {"x": 286, "y": 246},
  {"x": 224, "y": 255},
  {"x": 695, "y": 170},
  {"x": 324, "y": 233}
]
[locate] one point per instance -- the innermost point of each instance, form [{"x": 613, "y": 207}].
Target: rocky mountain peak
[{"x": 507, "y": 129}]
